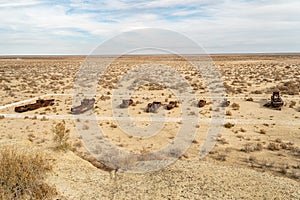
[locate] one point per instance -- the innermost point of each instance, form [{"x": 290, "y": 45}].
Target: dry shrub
[
  {"x": 283, "y": 169},
  {"x": 85, "y": 127},
  {"x": 220, "y": 157},
  {"x": 228, "y": 113},
  {"x": 235, "y": 106},
  {"x": 104, "y": 98},
  {"x": 44, "y": 118},
  {"x": 262, "y": 131},
  {"x": 243, "y": 130},
  {"x": 61, "y": 136},
  {"x": 292, "y": 104},
  {"x": 31, "y": 137},
  {"x": 240, "y": 136},
  {"x": 256, "y": 92},
  {"x": 251, "y": 147},
  {"x": 228, "y": 88},
  {"x": 295, "y": 174},
  {"x": 278, "y": 140},
  {"x": 228, "y": 125},
  {"x": 289, "y": 87},
  {"x": 22, "y": 175},
  {"x": 113, "y": 125},
  {"x": 222, "y": 141},
  {"x": 252, "y": 159},
  {"x": 294, "y": 150},
  {"x": 273, "y": 146},
  {"x": 77, "y": 144},
  {"x": 195, "y": 141}
]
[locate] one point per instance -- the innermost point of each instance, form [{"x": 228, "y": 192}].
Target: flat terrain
[{"x": 256, "y": 157}]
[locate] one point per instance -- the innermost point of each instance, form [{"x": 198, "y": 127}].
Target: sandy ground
[{"x": 257, "y": 158}]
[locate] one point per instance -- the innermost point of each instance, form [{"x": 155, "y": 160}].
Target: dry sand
[{"x": 258, "y": 158}]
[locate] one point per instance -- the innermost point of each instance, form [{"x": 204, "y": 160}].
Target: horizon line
[{"x": 230, "y": 53}]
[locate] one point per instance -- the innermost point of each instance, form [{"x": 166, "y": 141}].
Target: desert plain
[{"x": 257, "y": 151}]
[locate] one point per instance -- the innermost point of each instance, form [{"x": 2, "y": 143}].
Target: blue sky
[{"x": 79, "y": 26}]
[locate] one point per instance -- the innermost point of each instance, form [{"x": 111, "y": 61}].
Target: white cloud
[
  {"x": 18, "y": 3},
  {"x": 221, "y": 25}
]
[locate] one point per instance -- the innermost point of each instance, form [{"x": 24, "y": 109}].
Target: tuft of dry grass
[
  {"x": 31, "y": 137},
  {"x": 222, "y": 140},
  {"x": 251, "y": 147},
  {"x": 283, "y": 169},
  {"x": 262, "y": 131},
  {"x": 228, "y": 125},
  {"x": 228, "y": 113},
  {"x": 113, "y": 125},
  {"x": 273, "y": 146},
  {"x": 22, "y": 175},
  {"x": 257, "y": 92},
  {"x": 278, "y": 140},
  {"x": 44, "y": 118},
  {"x": 195, "y": 141},
  {"x": 220, "y": 156},
  {"x": 77, "y": 144},
  {"x": 61, "y": 136},
  {"x": 235, "y": 106},
  {"x": 295, "y": 174},
  {"x": 292, "y": 104},
  {"x": 243, "y": 130}
]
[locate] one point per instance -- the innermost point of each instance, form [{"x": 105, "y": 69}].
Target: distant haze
[{"x": 72, "y": 27}]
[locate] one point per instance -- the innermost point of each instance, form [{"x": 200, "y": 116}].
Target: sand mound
[{"x": 78, "y": 179}]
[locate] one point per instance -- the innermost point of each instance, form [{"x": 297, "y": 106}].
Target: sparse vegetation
[
  {"x": 22, "y": 175},
  {"x": 44, "y": 118},
  {"x": 262, "y": 131},
  {"x": 278, "y": 140},
  {"x": 61, "y": 136},
  {"x": 220, "y": 156},
  {"x": 222, "y": 140},
  {"x": 252, "y": 159},
  {"x": 255, "y": 145},
  {"x": 251, "y": 147},
  {"x": 283, "y": 169},
  {"x": 113, "y": 125},
  {"x": 228, "y": 125},
  {"x": 235, "y": 106},
  {"x": 31, "y": 137},
  {"x": 295, "y": 174},
  {"x": 243, "y": 130},
  {"x": 257, "y": 92},
  {"x": 292, "y": 104},
  {"x": 77, "y": 144},
  {"x": 195, "y": 141},
  {"x": 85, "y": 127},
  {"x": 228, "y": 113},
  {"x": 273, "y": 146}
]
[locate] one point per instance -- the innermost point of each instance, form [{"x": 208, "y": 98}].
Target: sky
[{"x": 54, "y": 27}]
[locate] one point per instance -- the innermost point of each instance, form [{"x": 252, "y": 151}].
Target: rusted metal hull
[
  {"x": 86, "y": 104},
  {"x": 39, "y": 103}
]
